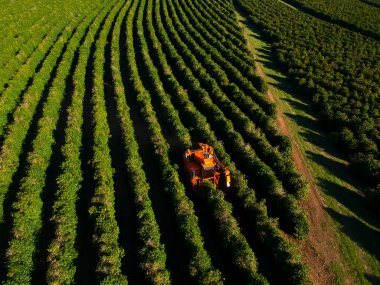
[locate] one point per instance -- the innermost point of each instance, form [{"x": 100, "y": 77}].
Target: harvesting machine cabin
[{"x": 202, "y": 164}]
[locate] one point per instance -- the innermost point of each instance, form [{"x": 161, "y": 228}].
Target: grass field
[{"x": 356, "y": 228}]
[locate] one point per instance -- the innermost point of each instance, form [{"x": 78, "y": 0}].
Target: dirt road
[{"x": 320, "y": 251}]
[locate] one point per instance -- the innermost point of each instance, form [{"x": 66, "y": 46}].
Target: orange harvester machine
[{"x": 202, "y": 164}]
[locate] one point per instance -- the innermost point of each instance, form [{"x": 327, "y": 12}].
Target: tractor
[{"x": 201, "y": 164}]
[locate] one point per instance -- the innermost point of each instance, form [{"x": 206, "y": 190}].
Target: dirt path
[
  {"x": 321, "y": 249},
  {"x": 318, "y": 251}
]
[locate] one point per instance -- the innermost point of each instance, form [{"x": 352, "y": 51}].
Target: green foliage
[
  {"x": 10, "y": 97},
  {"x": 254, "y": 136},
  {"x": 294, "y": 270},
  {"x": 337, "y": 67},
  {"x": 284, "y": 252},
  {"x": 22, "y": 118},
  {"x": 62, "y": 249},
  {"x": 366, "y": 167},
  {"x": 262, "y": 175},
  {"x": 27, "y": 35},
  {"x": 26, "y": 217},
  {"x": 189, "y": 60},
  {"x": 356, "y": 15},
  {"x": 152, "y": 251},
  {"x": 234, "y": 242},
  {"x": 102, "y": 209},
  {"x": 200, "y": 266}
]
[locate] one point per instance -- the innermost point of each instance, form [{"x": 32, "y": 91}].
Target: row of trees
[
  {"x": 162, "y": 56},
  {"x": 35, "y": 37},
  {"x": 375, "y": 3},
  {"x": 282, "y": 166},
  {"x": 152, "y": 252},
  {"x": 27, "y": 208},
  {"x": 235, "y": 244},
  {"x": 200, "y": 266},
  {"x": 259, "y": 172},
  {"x": 278, "y": 248},
  {"x": 237, "y": 61},
  {"x": 220, "y": 68},
  {"x": 218, "y": 20},
  {"x": 62, "y": 251},
  {"x": 356, "y": 15},
  {"x": 23, "y": 30},
  {"x": 11, "y": 96},
  {"x": 244, "y": 63},
  {"x": 339, "y": 70},
  {"x": 233, "y": 241},
  {"x": 239, "y": 250},
  {"x": 105, "y": 235},
  {"x": 223, "y": 11},
  {"x": 225, "y": 31},
  {"x": 16, "y": 54},
  {"x": 17, "y": 130}
]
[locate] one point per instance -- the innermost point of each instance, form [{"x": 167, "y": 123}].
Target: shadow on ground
[
  {"x": 351, "y": 200},
  {"x": 350, "y": 211},
  {"x": 375, "y": 280},
  {"x": 359, "y": 232}
]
